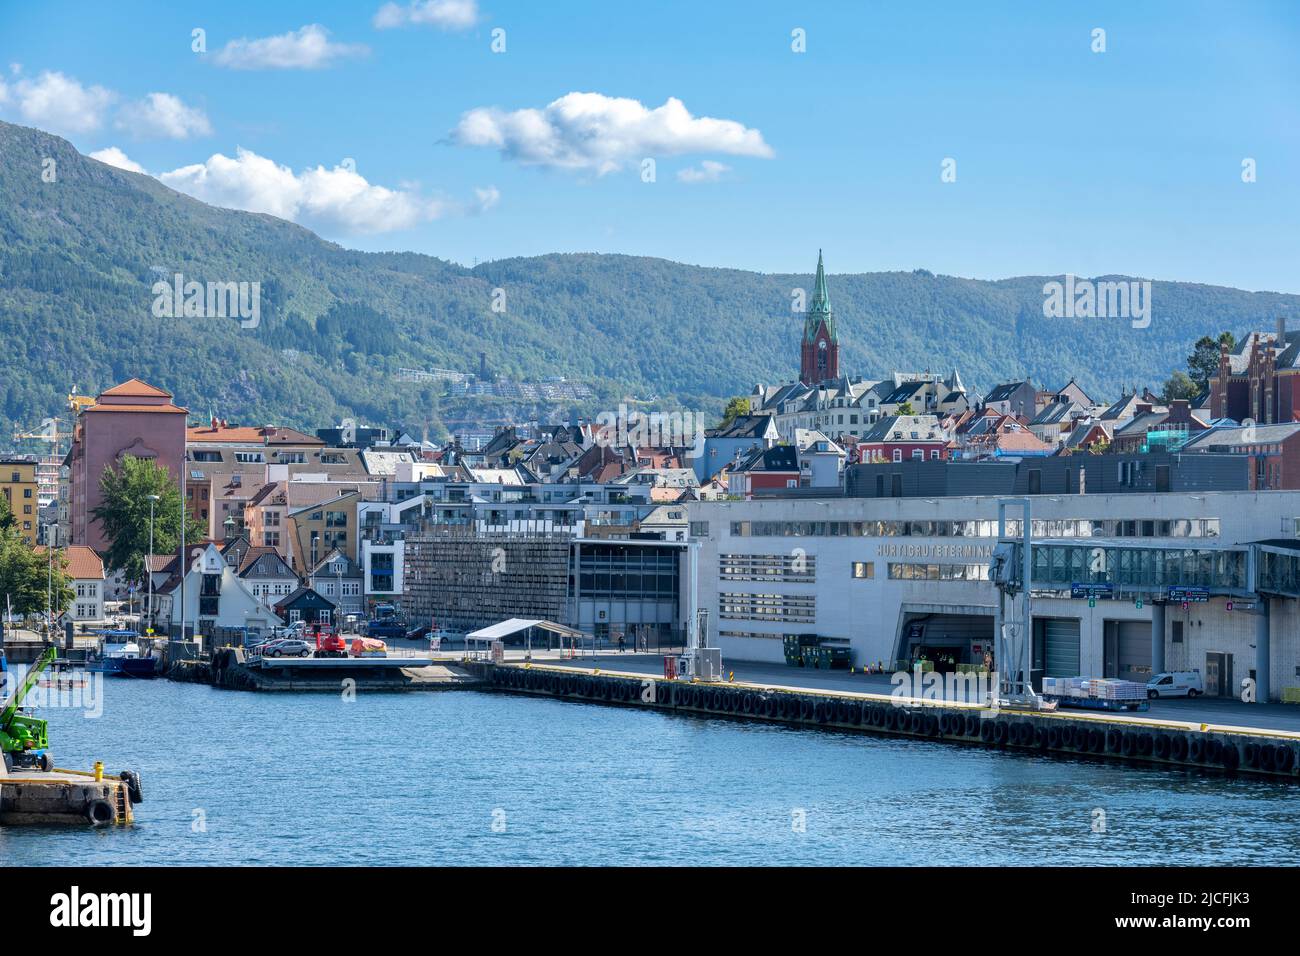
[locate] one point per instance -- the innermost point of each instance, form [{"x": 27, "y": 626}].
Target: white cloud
[
  {"x": 115, "y": 157},
  {"x": 338, "y": 200},
  {"x": 308, "y": 48},
  {"x": 163, "y": 115},
  {"x": 445, "y": 14},
  {"x": 59, "y": 103},
  {"x": 601, "y": 133},
  {"x": 709, "y": 171},
  {"x": 4, "y": 93},
  {"x": 487, "y": 198}
]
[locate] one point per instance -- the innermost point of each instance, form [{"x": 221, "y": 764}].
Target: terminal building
[{"x": 1124, "y": 584}]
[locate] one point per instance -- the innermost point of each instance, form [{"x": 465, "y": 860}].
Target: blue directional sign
[{"x": 1090, "y": 591}]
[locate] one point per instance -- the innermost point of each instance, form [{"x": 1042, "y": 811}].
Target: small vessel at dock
[{"x": 120, "y": 654}]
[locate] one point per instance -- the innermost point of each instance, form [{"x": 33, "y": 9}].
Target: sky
[{"x": 983, "y": 140}]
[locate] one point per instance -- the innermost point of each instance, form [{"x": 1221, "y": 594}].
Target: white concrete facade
[{"x": 823, "y": 566}]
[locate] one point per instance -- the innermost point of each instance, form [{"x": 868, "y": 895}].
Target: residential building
[
  {"x": 339, "y": 579},
  {"x": 218, "y": 606},
  {"x": 906, "y": 438},
  {"x": 775, "y": 468},
  {"x": 267, "y": 575},
  {"x": 86, "y": 571},
  {"x": 321, "y": 527},
  {"x": 18, "y": 484},
  {"x": 724, "y": 445},
  {"x": 1165, "y": 429},
  {"x": 1018, "y": 399}
]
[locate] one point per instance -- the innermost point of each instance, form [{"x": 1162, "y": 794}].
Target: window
[
  {"x": 1177, "y": 636},
  {"x": 898, "y": 454},
  {"x": 864, "y": 569}
]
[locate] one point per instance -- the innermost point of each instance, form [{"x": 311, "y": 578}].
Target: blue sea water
[{"x": 463, "y": 777}]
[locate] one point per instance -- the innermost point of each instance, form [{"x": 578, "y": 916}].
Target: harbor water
[{"x": 464, "y": 777}]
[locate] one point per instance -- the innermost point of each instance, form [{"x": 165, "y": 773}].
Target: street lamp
[
  {"x": 148, "y": 570},
  {"x": 52, "y": 536}
]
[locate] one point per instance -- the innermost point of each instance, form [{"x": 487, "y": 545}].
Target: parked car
[
  {"x": 288, "y": 647},
  {"x": 1175, "y": 684}
]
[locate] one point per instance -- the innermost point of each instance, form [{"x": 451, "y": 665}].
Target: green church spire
[{"x": 819, "y": 311}]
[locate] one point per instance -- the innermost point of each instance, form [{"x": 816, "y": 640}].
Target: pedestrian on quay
[{"x": 620, "y": 643}]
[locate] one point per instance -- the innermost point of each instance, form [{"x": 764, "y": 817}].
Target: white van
[{"x": 1175, "y": 684}]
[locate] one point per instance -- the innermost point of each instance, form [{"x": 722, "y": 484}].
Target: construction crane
[
  {"x": 50, "y": 432},
  {"x": 24, "y": 740}
]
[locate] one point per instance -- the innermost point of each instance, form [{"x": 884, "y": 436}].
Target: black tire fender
[{"x": 100, "y": 813}]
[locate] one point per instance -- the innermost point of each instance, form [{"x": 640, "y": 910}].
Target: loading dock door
[
  {"x": 1057, "y": 640},
  {"x": 1133, "y": 647}
]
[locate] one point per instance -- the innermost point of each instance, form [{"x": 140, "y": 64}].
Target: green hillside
[{"x": 79, "y": 257}]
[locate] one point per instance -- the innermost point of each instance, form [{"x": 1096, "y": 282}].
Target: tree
[
  {"x": 1204, "y": 360},
  {"x": 124, "y": 514},
  {"x": 906, "y": 409},
  {"x": 1179, "y": 385},
  {"x": 25, "y": 574},
  {"x": 736, "y": 407}
]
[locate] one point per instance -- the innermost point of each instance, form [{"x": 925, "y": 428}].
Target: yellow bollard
[{"x": 99, "y": 771}]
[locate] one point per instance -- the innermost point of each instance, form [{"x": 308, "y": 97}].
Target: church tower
[{"x": 819, "y": 354}]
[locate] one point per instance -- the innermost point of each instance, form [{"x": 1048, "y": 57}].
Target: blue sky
[{"x": 1067, "y": 160}]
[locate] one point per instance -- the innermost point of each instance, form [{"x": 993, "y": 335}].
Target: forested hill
[{"x": 79, "y": 257}]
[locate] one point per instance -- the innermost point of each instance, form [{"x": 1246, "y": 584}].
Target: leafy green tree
[
  {"x": 1204, "y": 360},
  {"x": 906, "y": 409},
  {"x": 1179, "y": 385},
  {"x": 736, "y": 407},
  {"x": 25, "y": 573},
  {"x": 124, "y": 514}
]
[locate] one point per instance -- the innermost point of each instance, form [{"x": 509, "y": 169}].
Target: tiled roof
[
  {"x": 135, "y": 388},
  {"x": 83, "y": 562},
  {"x": 250, "y": 434}
]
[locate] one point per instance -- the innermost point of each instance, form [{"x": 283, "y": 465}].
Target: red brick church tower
[{"x": 819, "y": 353}]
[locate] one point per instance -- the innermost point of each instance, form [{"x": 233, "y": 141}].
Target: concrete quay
[
  {"x": 1147, "y": 739},
  {"x": 68, "y": 797}
]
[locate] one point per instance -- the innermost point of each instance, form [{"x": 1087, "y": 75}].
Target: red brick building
[
  {"x": 133, "y": 419},
  {"x": 1259, "y": 379}
]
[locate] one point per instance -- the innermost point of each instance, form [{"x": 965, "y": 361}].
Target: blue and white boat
[{"x": 120, "y": 655}]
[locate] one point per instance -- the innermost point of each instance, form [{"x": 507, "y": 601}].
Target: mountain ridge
[{"x": 79, "y": 256}]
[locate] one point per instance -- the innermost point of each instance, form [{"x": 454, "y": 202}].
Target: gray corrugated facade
[{"x": 1058, "y": 475}]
